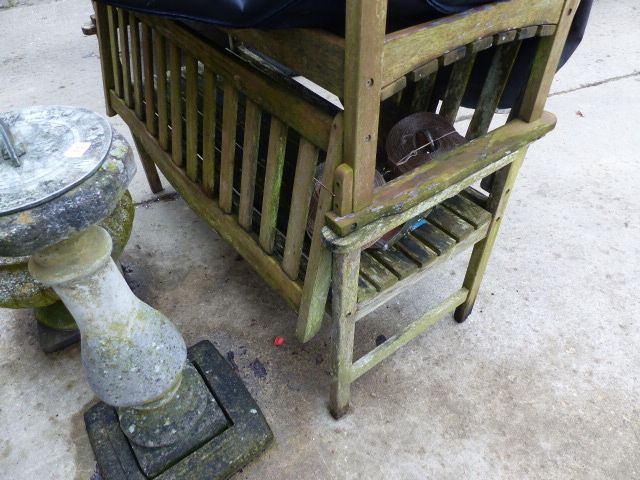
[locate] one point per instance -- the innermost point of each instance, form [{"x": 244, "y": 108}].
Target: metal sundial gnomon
[{"x": 46, "y": 151}]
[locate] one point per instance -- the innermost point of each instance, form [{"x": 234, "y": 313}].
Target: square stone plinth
[{"x": 214, "y": 450}]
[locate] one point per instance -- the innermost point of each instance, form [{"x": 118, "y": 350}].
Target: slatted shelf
[{"x": 451, "y": 227}]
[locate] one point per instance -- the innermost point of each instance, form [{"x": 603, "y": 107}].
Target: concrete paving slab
[
  {"x": 540, "y": 383},
  {"x": 609, "y": 50}
]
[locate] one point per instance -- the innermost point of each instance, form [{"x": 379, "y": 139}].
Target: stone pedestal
[
  {"x": 243, "y": 436},
  {"x": 64, "y": 170},
  {"x": 18, "y": 289},
  {"x": 136, "y": 361}
]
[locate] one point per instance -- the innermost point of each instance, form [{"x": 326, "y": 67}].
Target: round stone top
[
  {"x": 56, "y": 148},
  {"x": 77, "y": 184}
]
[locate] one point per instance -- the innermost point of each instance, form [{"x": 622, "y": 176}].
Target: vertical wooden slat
[
  {"x": 228, "y": 150},
  {"x": 136, "y": 59},
  {"x": 302, "y": 188},
  {"x": 342, "y": 189},
  {"x": 423, "y": 91},
  {"x": 318, "y": 277},
  {"x": 364, "y": 39},
  {"x": 125, "y": 57},
  {"x": 546, "y": 64},
  {"x": 417, "y": 96},
  {"x": 105, "y": 46},
  {"x": 149, "y": 93},
  {"x": 115, "y": 50},
  {"x": 250, "y": 146},
  {"x": 499, "y": 197},
  {"x": 191, "y": 114},
  {"x": 492, "y": 89},
  {"x": 456, "y": 87},
  {"x": 272, "y": 183},
  {"x": 345, "y": 293},
  {"x": 160, "y": 58},
  {"x": 175, "y": 61},
  {"x": 209, "y": 132}
]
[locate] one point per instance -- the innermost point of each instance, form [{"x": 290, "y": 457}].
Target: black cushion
[{"x": 330, "y": 14}]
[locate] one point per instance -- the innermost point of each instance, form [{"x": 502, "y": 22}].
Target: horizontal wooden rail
[
  {"x": 375, "y": 356},
  {"x": 426, "y": 185},
  {"x": 313, "y": 53},
  {"x": 311, "y": 121},
  {"x": 408, "y": 49}
]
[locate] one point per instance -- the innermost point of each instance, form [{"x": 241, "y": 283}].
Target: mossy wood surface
[
  {"x": 318, "y": 276},
  {"x": 209, "y": 210},
  {"x": 407, "y": 49},
  {"x": 312, "y": 122},
  {"x": 452, "y": 168},
  {"x": 241, "y": 143}
]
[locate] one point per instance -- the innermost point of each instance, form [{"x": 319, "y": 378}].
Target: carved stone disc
[{"x": 63, "y": 147}]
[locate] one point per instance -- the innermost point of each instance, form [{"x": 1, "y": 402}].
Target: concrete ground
[{"x": 541, "y": 382}]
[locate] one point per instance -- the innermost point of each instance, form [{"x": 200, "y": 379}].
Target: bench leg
[
  {"x": 149, "y": 167},
  {"x": 502, "y": 184},
  {"x": 345, "y": 295}
]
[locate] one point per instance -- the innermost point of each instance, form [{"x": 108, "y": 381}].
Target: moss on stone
[{"x": 18, "y": 289}]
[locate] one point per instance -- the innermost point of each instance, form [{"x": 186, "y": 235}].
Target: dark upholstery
[{"x": 329, "y": 14}]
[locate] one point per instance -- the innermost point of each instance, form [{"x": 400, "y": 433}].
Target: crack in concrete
[
  {"x": 595, "y": 84},
  {"x": 167, "y": 197}
]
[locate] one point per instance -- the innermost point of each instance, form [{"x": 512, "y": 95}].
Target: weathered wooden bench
[{"x": 241, "y": 145}]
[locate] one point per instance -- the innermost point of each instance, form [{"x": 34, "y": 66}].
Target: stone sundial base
[
  {"x": 234, "y": 432},
  {"x": 167, "y": 412},
  {"x": 52, "y": 340},
  {"x": 18, "y": 289}
]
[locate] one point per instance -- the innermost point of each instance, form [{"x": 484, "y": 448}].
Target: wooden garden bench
[{"x": 241, "y": 145}]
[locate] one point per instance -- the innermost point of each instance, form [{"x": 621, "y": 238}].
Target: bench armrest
[{"x": 426, "y": 186}]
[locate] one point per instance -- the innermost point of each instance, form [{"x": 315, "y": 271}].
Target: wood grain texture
[
  {"x": 253, "y": 116},
  {"x": 125, "y": 56},
  {"x": 228, "y": 150},
  {"x": 345, "y": 291},
  {"x": 365, "y": 23},
  {"x": 210, "y": 106},
  {"x": 451, "y": 168},
  {"x": 160, "y": 46},
  {"x": 148, "y": 79},
  {"x": 315, "y": 54},
  {"x": 191, "y": 117},
  {"x": 272, "y": 183},
  {"x": 343, "y": 190},
  {"x": 546, "y": 64},
  {"x": 492, "y": 88},
  {"x": 375, "y": 273},
  {"x": 136, "y": 64},
  {"x": 175, "y": 66},
  {"x": 318, "y": 277},
  {"x": 302, "y": 187},
  {"x": 407, "y": 49}
]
